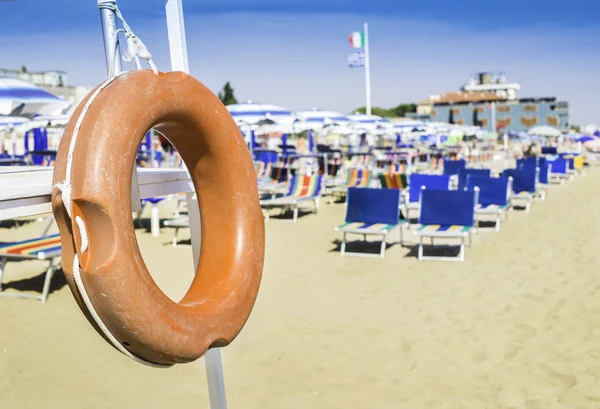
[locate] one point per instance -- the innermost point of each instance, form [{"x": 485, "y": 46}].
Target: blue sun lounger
[
  {"x": 465, "y": 173},
  {"x": 447, "y": 214},
  {"x": 494, "y": 197},
  {"x": 524, "y": 185},
  {"x": 418, "y": 181},
  {"x": 371, "y": 212},
  {"x": 560, "y": 170},
  {"x": 454, "y": 167},
  {"x": 544, "y": 168}
]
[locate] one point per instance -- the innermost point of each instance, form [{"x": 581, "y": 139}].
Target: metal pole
[
  {"x": 367, "y": 69},
  {"x": 179, "y": 62},
  {"x": 493, "y": 109},
  {"x": 111, "y": 38}
]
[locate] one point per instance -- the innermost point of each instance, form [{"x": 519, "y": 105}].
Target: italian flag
[{"x": 357, "y": 39}]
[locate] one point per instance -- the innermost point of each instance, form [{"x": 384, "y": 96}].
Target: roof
[{"x": 462, "y": 96}]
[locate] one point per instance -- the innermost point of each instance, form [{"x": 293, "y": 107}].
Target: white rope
[
  {"x": 98, "y": 320},
  {"x": 136, "y": 48},
  {"x": 66, "y": 190}
]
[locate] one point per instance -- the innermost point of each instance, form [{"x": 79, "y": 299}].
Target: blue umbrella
[
  {"x": 586, "y": 138},
  {"x": 398, "y": 140},
  {"x": 597, "y": 133}
]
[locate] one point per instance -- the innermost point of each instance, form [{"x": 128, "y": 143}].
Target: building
[
  {"x": 487, "y": 100},
  {"x": 53, "y": 81}
]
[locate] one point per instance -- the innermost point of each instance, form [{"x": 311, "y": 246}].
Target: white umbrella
[
  {"x": 254, "y": 114},
  {"x": 316, "y": 119},
  {"x": 27, "y": 99},
  {"x": 544, "y": 130}
]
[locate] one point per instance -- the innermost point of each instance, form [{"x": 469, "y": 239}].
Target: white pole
[
  {"x": 179, "y": 62},
  {"x": 367, "y": 69},
  {"x": 176, "y": 32},
  {"x": 493, "y": 109}
]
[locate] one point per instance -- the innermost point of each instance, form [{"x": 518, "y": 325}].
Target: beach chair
[
  {"x": 355, "y": 178},
  {"x": 371, "y": 212},
  {"x": 416, "y": 182},
  {"x": 544, "y": 170},
  {"x": 453, "y": 167},
  {"x": 302, "y": 189},
  {"x": 524, "y": 185},
  {"x": 396, "y": 168},
  {"x": 493, "y": 197},
  {"x": 177, "y": 223},
  {"x": 263, "y": 170},
  {"x": 275, "y": 182},
  {"x": 44, "y": 248},
  {"x": 393, "y": 181},
  {"x": 448, "y": 214},
  {"x": 466, "y": 172},
  {"x": 559, "y": 171},
  {"x": 435, "y": 163}
]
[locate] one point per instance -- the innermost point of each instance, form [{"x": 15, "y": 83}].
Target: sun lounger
[
  {"x": 454, "y": 167},
  {"x": 302, "y": 189},
  {"x": 544, "y": 172},
  {"x": 446, "y": 214},
  {"x": 493, "y": 198},
  {"x": 559, "y": 171},
  {"x": 46, "y": 248},
  {"x": 465, "y": 173},
  {"x": 178, "y": 222},
  {"x": 355, "y": 178},
  {"x": 393, "y": 181},
  {"x": 524, "y": 185},
  {"x": 416, "y": 182},
  {"x": 371, "y": 212}
]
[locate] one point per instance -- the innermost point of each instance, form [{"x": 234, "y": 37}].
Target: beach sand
[{"x": 514, "y": 326}]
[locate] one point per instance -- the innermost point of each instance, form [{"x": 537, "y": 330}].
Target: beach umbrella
[
  {"x": 544, "y": 130},
  {"x": 597, "y": 133},
  {"x": 269, "y": 117},
  {"x": 316, "y": 120},
  {"x": 586, "y": 138},
  {"x": 12, "y": 121},
  {"x": 23, "y": 98}
]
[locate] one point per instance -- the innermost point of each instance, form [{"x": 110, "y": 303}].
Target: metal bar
[
  {"x": 112, "y": 48},
  {"x": 179, "y": 62},
  {"x": 112, "y": 53},
  {"x": 176, "y": 32}
]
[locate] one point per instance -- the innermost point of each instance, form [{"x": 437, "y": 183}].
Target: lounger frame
[
  {"x": 50, "y": 257},
  {"x": 382, "y": 234}
]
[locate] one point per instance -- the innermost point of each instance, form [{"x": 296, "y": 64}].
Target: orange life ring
[{"x": 113, "y": 120}]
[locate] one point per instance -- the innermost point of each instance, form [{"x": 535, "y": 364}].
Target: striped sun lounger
[
  {"x": 393, "y": 181},
  {"x": 301, "y": 189},
  {"x": 371, "y": 212},
  {"x": 42, "y": 248},
  {"x": 446, "y": 214},
  {"x": 360, "y": 178}
]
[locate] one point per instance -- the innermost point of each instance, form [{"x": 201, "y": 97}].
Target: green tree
[
  {"x": 575, "y": 128},
  {"x": 226, "y": 95},
  {"x": 399, "y": 111}
]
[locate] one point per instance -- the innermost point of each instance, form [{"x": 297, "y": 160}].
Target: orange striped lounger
[{"x": 46, "y": 248}]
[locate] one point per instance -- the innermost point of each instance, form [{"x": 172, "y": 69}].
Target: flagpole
[{"x": 367, "y": 70}]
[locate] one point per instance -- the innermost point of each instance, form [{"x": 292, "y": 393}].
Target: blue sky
[{"x": 293, "y": 53}]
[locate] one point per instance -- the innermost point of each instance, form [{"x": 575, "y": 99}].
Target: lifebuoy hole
[{"x": 153, "y": 220}]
